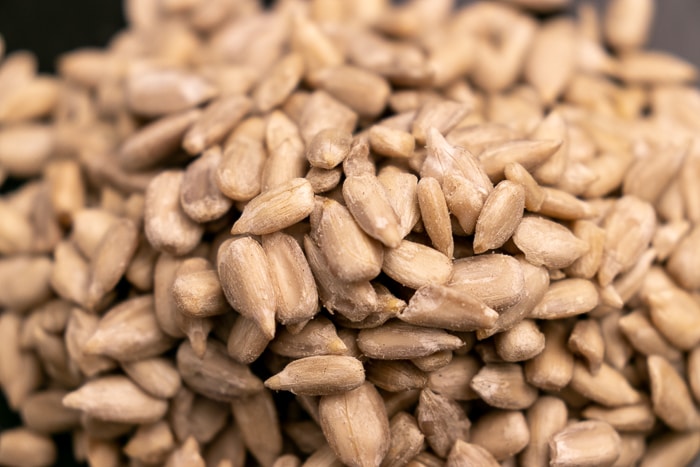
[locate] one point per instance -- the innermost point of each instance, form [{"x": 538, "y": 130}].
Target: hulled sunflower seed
[
  {"x": 442, "y": 420},
  {"x": 340, "y": 374},
  {"x": 585, "y": 443}
]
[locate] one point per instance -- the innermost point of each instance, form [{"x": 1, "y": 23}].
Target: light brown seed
[
  {"x": 503, "y": 385},
  {"x": 499, "y": 217},
  {"x": 400, "y": 187},
  {"x": 547, "y": 243},
  {"x": 644, "y": 337},
  {"x": 453, "y": 379},
  {"x": 25, "y": 148},
  {"x": 43, "y": 412},
  {"x": 565, "y": 298},
  {"x": 400, "y": 264},
  {"x": 20, "y": 446},
  {"x": 200, "y": 197},
  {"x": 586, "y": 266},
  {"x": 80, "y": 328},
  {"x": 276, "y": 209},
  {"x": 363, "y": 91},
  {"x": 227, "y": 446},
  {"x": 156, "y": 141},
  {"x": 391, "y": 142},
  {"x": 534, "y": 194},
  {"x": 246, "y": 341},
  {"x": 246, "y": 280},
  {"x": 495, "y": 279},
  {"x": 286, "y": 159},
  {"x": 645, "y": 68},
  {"x": 684, "y": 256},
  {"x": 350, "y": 253},
  {"x": 157, "y": 376},
  {"x": 586, "y": 340},
  {"x": 215, "y": 375},
  {"x": 434, "y": 362},
  {"x": 400, "y": 341},
  {"x": 666, "y": 240},
  {"x": 552, "y": 368},
  {"x": 186, "y": 455},
  {"x": 638, "y": 417},
  {"x": 528, "y": 153},
  {"x": 356, "y": 425},
  {"x": 116, "y": 398},
  {"x": 585, "y": 443},
  {"x": 559, "y": 204},
  {"x": 677, "y": 448},
  {"x": 435, "y": 216},
  {"x": 406, "y": 440},
  {"x": 449, "y": 308},
  {"x": 674, "y": 312},
  {"x": 546, "y": 417},
  {"x": 258, "y": 423},
  {"x": 150, "y": 443},
  {"x": 354, "y": 300},
  {"x": 442, "y": 421},
  {"x": 339, "y": 374},
  {"x": 239, "y": 174},
  {"x": 465, "y": 454},
  {"x": 627, "y": 23},
  {"x": 328, "y": 148},
  {"x": 320, "y": 112},
  {"x": 279, "y": 83},
  {"x": 503, "y": 433},
  {"x": 70, "y": 275},
  {"x": 607, "y": 387},
  {"x": 318, "y": 337},
  {"x": 651, "y": 174},
  {"x": 522, "y": 342},
  {"x": 160, "y": 92},
  {"x": 671, "y": 399},
  {"x": 167, "y": 227},
  {"x": 464, "y": 201},
  {"x": 442, "y": 115},
  {"x": 198, "y": 294},
  {"x": 369, "y": 204}
]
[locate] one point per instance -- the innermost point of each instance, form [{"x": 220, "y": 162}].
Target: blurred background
[{"x": 50, "y": 27}]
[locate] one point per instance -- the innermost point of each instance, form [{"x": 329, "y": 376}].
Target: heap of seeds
[{"x": 349, "y": 232}]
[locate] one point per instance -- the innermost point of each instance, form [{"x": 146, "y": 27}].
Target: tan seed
[{"x": 339, "y": 374}]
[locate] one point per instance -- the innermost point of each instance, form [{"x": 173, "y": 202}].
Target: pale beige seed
[
  {"x": 477, "y": 137},
  {"x": 645, "y": 338},
  {"x": 17, "y": 233},
  {"x": 216, "y": 375},
  {"x": 499, "y": 217},
  {"x": 200, "y": 197},
  {"x": 442, "y": 421},
  {"x": 43, "y": 412},
  {"x": 674, "y": 448},
  {"x": 116, "y": 398},
  {"x": 103, "y": 429},
  {"x": 155, "y": 92},
  {"x": 70, "y": 275},
  {"x": 297, "y": 296},
  {"x": 286, "y": 159},
  {"x": 318, "y": 337},
  {"x": 363, "y": 91},
  {"x": 434, "y": 362},
  {"x": 257, "y": 420},
  {"x": 155, "y": 142},
  {"x": 25, "y": 148},
  {"x": 495, "y": 279},
  {"x": 150, "y": 443},
  {"x": 188, "y": 454},
  {"x": 546, "y": 417},
  {"x": 585, "y": 443},
  {"x": 608, "y": 387},
  {"x": 226, "y": 447},
  {"x": 551, "y": 59},
  {"x": 522, "y": 342},
  {"x": 22, "y": 447},
  {"x": 67, "y": 189},
  {"x": 464, "y": 201},
  {"x": 675, "y": 312},
  {"x": 329, "y": 148},
  {"x": 503, "y": 385},
  {"x": 141, "y": 270},
  {"x": 246, "y": 280},
  {"x": 559, "y": 204},
  {"x": 683, "y": 257},
  {"x": 400, "y": 341},
  {"x": 239, "y": 174},
  {"x": 671, "y": 399},
  {"x": 165, "y": 307},
  {"x": 449, "y": 308},
  {"x": 528, "y": 153},
  {"x": 276, "y": 209},
  {"x": 30, "y": 100},
  {"x": 198, "y": 293},
  {"x": 534, "y": 194},
  {"x": 156, "y": 376},
  {"x": 109, "y": 264},
  {"x": 320, "y": 112},
  {"x": 400, "y": 187},
  {"x": 586, "y": 340},
  {"x": 693, "y": 372},
  {"x": 89, "y": 227},
  {"x": 395, "y": 375},
  {"x": 453, "y": 380},
  {"x": 435, "y": 216},
  {"x": 305, "y": 434},
  {"x": 638, "y": 417},
  {"x": 627, "y": 23},
  {"x": 442, "y": 115},
  {"x": 359, "y": 161},
  {"x": 566, "y": 298},
  {"x": 167, "y": 227},
  {"x": 406, "y": 440},
  {"x": 400, "y": 264},
  {"x": 666, "y": 241},
  {"x": 503, "y": 433},
  {"x": 651, "y": 174},
  {"x": 586, "y": 266},
  {"x": 369, "y": 204},
  {"x": 536, "y": 283},
  {"x": 547, "y": 243},
  {"x": 80, "y": 328},
  {"x": 354, "y": 300},
  {"x": 391, "y": 142},
  {"x": 426, "y": 459},
  {"x": 351, "y": 254},
  {"x": 279, "y": 83},
  {"x": 246, "y": 341},
  {"x": 551, "y": 369},
  {"x": 654, "y": 67},
  {"x": 324, "y": 180},
  {"x": 444, "y": 159},
  {"x": 632, "y": 449},
  {"x": 321, "y": 375},
  {"x": 356, "y": 425}
]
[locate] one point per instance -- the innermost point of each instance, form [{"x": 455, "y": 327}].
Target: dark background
[{"x": 50, "y": 27}]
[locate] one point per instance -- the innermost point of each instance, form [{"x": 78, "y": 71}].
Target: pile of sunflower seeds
[{"x": 341, "y": 232}]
